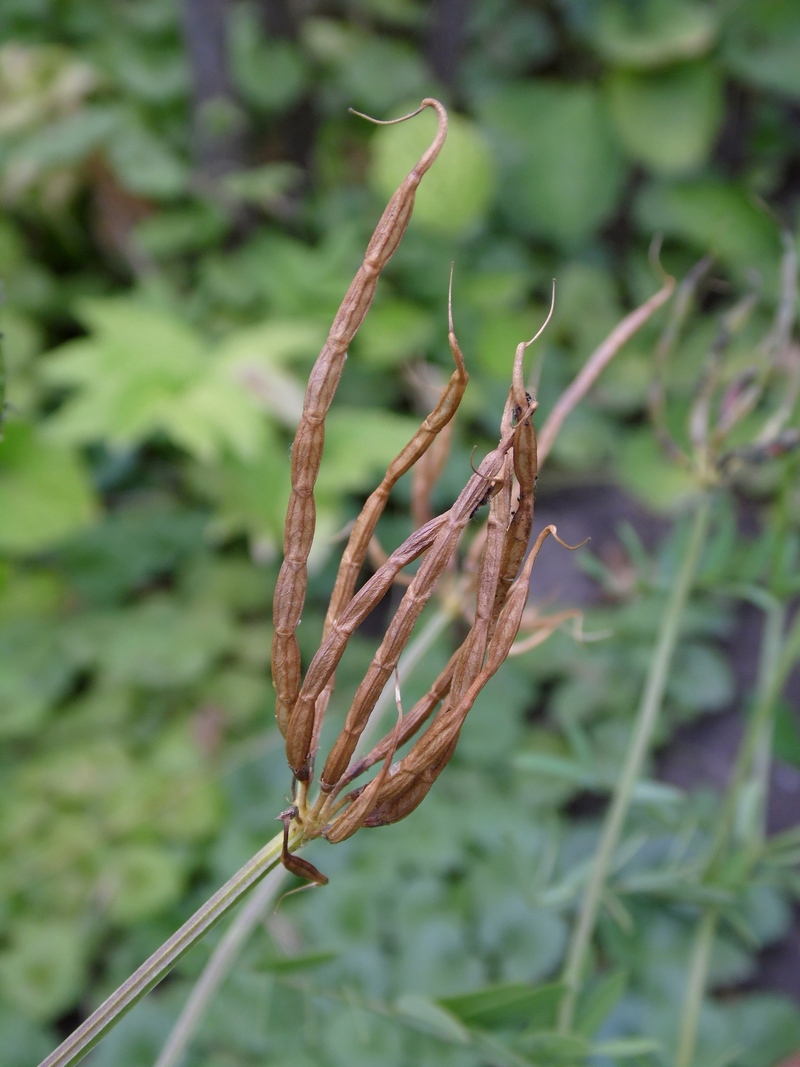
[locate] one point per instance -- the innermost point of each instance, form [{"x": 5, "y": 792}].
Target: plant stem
[
  {"x": 770, "y": 682},
  {"x": 775, "y": 661},
  {"x": 695, "y": 988},
  {"x": 217, "y": 968},
  {"x": 646, "y": 718},
  {"x": 163, "y": 959}
]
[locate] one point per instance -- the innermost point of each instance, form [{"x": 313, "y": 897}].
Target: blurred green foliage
[{"x": 162, "y": 309}]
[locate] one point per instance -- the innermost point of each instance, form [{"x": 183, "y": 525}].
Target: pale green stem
[
  {"x": 770, "y": 683},
  {"x": 163, "y": 959},
  {"x": 695, "y": 989},
  {"x": 644, "y": 725},
  {"x": 218, "y": 967},
  {"x": 776, "y": 659}
]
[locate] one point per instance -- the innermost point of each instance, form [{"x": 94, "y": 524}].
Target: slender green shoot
[
  {"x": 164, "y": 958},
  {"x": 778, "y": 655},
  {"x": 218, "y": 967},
  {"x": 644, "y": 726}
]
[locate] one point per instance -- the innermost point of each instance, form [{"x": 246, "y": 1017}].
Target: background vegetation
[{"x": 185, "y": 198}]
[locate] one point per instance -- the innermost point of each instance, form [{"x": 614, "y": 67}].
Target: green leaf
[
  {"x": 249, "y": 495},
  {"x": 70, "y": 139},
  {"x": 645, "y": 471},
  {"x": 290, "y": 964},
  {"x": 701, "y": 679},
  {"x": 562, "y": 170},
  {"x": 786, "y": 737},
  {"x": 762, "y": 45},
  {"x": 213, "y": 415},
  {"x": 455, "y": 193},
  {"x": 145, "y": 163},
  {"x": 2, "y": 386},
  {"x": 42, "y": 970},
  {"x": 718, "y": 218},
  {"x": 132, "y": 545},
  {"x": 159, "y": 643},
  {"x": 627, "y": 1047},
  {"x": 651, "y": 33},
  {"x": 549, "y": 1045},
  {"x": 181, "y": 229},
  {"x": 394, "y": 331},
  {"x": 372, "y": 71},
  {"x": 137, "y": 360},
  {"x": 268, "y": 74},
  {"x": 359, "y": 444},
  {"x": 45, "y": 494},
  {"x": 598, "y": 1001},
  {"x": 36, "y": 670},
  {"x": 431, "y": 1018},
  {"x": 271, "y": 343},
  {"x": 763, "y": 1029},
  {"x": 140, "y": 880},
  {"x": 152, "y": 74},
  {"x": 145, "y": 371},
  {"x": 23, "y": 1040},
  {"x": 510, "y": 1004},
  {"x": 500, "y": 332},
  {"x": 668, "y": 119},
  {"x": 261, "y": 185}
]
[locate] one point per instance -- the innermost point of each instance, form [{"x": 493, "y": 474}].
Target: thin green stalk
[
  {"x": 644, "y": 725},
  {"x": 775, "y": 661},
  {"x": 163, "y": 959},
  {"x": 695, "y": 987},
  {"x": 217, "y": 968},
  {"x": 770, "y": 684}
]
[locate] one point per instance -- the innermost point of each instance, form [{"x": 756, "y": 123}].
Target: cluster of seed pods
[
  {"x": 501, "y": 587},
  {"x": 505, "y": 480}
]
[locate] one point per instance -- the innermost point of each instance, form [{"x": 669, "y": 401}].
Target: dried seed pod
[
  {"x": 309, "y": 440},
  {"x": 364, "y": 526},
  {"x": 353, "y": 818},
  {"x": 301, "y": 725},
  {"x": 473, "y": 649},
  {"x": 427, "y": 471},
  {"x": 363, "y": 530},
  {"x": 393, "y": 809},
  {"x": 414, "y": 600},
  {"x": 526, "y": 468},
  {"x": 411, "y": 723},
  {"x": 416, "y": 772}
]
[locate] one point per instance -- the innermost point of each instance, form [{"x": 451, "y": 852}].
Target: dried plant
[
  {"x": 490, "y": 592},
  {"x": 504, "y": 480}
]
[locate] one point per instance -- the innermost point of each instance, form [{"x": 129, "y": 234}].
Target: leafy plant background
[{"x": 184, "y": 200}]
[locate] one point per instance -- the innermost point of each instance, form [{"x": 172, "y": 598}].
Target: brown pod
[
  {"x": 411, "y": 723},
  {"x": 357, "y": 812},
  {"x": 525, "y": 470},
  {"x": 399, "y": 806},
  {"x": 474, "y": 647},
  {"x": 364, "y": 527},
  {"x": 301, "y": 724},
  {"x": 425, "y": 761},
  {"x": 362, "y": 534},
  {"x": 414, "y": 600},
  {"x": 310, "y": 436}
]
